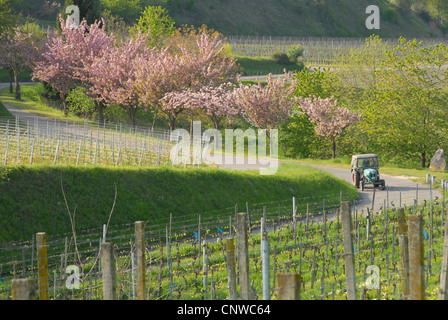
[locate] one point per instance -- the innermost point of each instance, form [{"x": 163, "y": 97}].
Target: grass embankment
[
  {"x": 3, "y": 111},
  {"x": 31, "y": 198}
]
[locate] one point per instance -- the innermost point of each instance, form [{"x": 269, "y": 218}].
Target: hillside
[
  {"x": 324, "y": 18},
  {"x": 314, "y": 18}
]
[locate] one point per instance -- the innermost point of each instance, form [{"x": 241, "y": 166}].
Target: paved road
[{"x": 396, "y": 188}]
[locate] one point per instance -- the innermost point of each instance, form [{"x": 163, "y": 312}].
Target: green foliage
[
  {"x": 128, "y": 10},
  {"x": 79, "y": 103},
  {"x": 3, "y": 111},
  {"x": 156, "y": 22},
  {"x": 189, "y": 4},
  {"x": 294, "y": 52},
  {"x": 282, "y": 58},
  {"x": 6, "y": 18}
]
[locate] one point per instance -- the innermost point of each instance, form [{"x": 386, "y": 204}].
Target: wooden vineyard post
[
  {"x": 404, "y": 250},
  {"x": 140, "y": 257},
  {"x": 108, "y": 268},
  {"x": 231, "y": 272},
  {"x": 348, "y": 250},
  {"x": 42, "y": 265},
  {"x": 289, "y": 286},
  {"x": 443, "y": 294},
  {"x": 265, "y": 261},
  {"x": 23, "y": 289},
  {"x": 243, "y": 257},
  {"x": 416, "y": 258}
]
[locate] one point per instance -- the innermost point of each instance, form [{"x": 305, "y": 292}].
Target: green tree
[
  {"x": 408, "y": 113},
  {"x": 297, "y": 136},
  {"x": 128, "y": 10},
  {"x": 6, "y": 18},
  {"x": 157, "y": 23}
]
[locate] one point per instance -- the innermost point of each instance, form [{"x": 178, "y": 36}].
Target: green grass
[
  {"x": 31, "y": 198},
  {"x": 3, "y": 111},
  {"x": 32, "y": 102}
]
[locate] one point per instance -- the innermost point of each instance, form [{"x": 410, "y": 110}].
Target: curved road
[{"x": 396, "y": 188}]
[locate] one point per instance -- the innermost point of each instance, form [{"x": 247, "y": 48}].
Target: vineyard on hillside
[
  {"x": 318, "y": 51},
  {"x": 187, "y": 258}
]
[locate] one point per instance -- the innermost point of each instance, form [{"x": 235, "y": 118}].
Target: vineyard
[
  {"x": 40, "y": 141},
  {"x": 318, "y": 51},
  {"x": 191, "y": 258}
]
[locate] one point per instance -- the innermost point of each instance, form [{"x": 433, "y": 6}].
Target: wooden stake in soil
[
  {"x": 289, "y": 286},
  {"x": 231, "y": 272},
  {"x": 404, "y": 250},
  {"x": 348, "y": 250},
  {"x": 243, "y": 257},
  {"x": 42, "y": 265},
  {"x": 416, "y": 259},
  {"x": 140, "y": 258},
  {"x": 443, "y": 294},
  {"x": 23, "y": 289},
  {"x": 108, "y": 268}
]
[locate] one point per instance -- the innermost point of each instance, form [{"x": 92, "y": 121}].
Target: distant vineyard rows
[{"x": 318, "y": 51}]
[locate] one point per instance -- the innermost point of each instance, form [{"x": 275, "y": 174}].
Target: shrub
[
  {"x": 281, "y": 58},
  {"x": 294, "y": 52}
]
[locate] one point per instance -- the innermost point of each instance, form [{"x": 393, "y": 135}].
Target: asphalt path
[{"x": 400, "y": 191}]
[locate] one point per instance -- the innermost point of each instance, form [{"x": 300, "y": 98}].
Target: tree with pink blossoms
[
  {"x": 68, "y": 56},
  {"x": 167, "y": 73},
  {"x": 113, "y": 75},
  {"x": 266, "y": 106},
  {"x": 330, "y": 120},
  {"x": 17, "y": 52},
  {"x": 214, "y": 102}
]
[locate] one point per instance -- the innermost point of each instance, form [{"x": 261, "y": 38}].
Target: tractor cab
[{"x": 365, "y": 171}]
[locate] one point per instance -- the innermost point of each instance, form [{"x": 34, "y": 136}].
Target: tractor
[{"x": 365, "y": 171}]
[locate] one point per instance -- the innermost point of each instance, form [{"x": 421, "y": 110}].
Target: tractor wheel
[
  {"x": 383, "y": 185},
  {"x": 355, "y": 177},
  {"x": 362, "y": 185}
]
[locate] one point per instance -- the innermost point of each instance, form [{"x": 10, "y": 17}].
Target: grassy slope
[
  {"x": 343, "y": 18},
  {"x": 3, "y": 111},
  {"x": 31, "y": 198}
]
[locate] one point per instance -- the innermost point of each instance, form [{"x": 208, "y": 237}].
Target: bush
[
  {"x": 294, "y": 52},
  {"x": 281, "y": 58}
]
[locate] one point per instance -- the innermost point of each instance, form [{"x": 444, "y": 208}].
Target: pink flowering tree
[
  {"x": 215, "y": 102},
  {"x": 167, "y": 73},
  {"x": 66, "y": 61},
  {"x": 266, "y": 106},
  {"x": 17, "y": 52},
  {"x": 330, "y": 120},
  {"x": 112, "y": 75}
]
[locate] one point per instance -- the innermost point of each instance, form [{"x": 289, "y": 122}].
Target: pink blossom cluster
[{"x": 330, "y": 119}]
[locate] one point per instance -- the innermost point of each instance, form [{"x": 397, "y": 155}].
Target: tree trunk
[
  {"x": 423, "y": 159},
  {"x": 11, "y": 76},
  {"x": 16, "y": 79},
  {"x": 333, "y": 147},
  {"x": 100, "y": 108},
  {"x": 64, "y": 105},
  {"x": 172, "y": 122}
]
